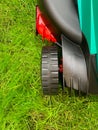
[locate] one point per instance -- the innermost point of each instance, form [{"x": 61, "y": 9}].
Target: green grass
[{"x": 22, "y": 104}]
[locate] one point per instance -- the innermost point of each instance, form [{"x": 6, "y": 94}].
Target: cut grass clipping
[{"x": 22, "y": 104}]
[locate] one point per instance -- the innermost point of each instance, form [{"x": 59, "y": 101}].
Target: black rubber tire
[{"x": 50, "y": 71}]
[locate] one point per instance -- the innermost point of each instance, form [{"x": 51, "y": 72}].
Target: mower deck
[{"x": 58, "y": 22}]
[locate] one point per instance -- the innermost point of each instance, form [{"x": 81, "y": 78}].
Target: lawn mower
[{"x": 71, "y": 25}]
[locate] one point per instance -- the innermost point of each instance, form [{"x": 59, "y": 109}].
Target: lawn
[{"x": 22, "y": 104}]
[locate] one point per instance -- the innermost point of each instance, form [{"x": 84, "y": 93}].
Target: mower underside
[{"x": 69, "y": 58}]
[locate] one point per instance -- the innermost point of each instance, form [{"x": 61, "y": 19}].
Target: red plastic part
[
  {"x": 61, "y": 66},
  {"x": 43, "y": 27}
]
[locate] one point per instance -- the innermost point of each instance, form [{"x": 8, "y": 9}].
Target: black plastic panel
[{"x": 64, "y": 15}]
